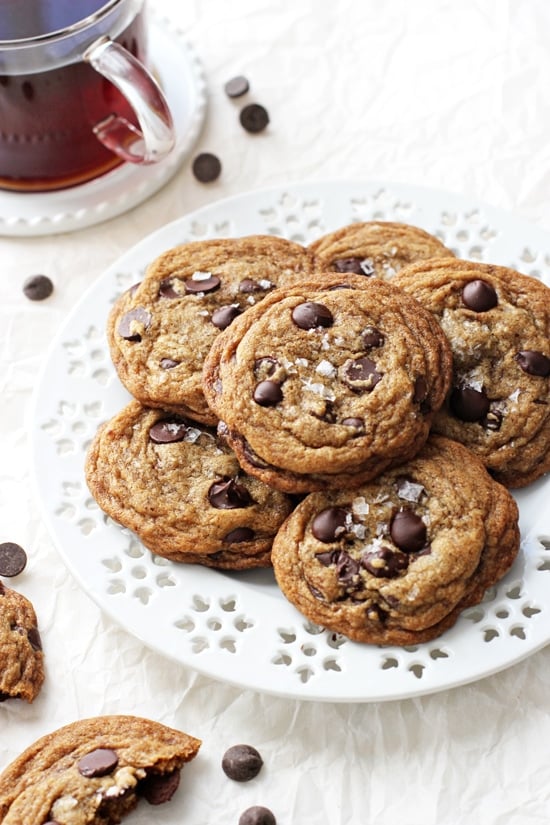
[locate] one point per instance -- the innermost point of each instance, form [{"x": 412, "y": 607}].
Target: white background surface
[{"x": 447, "y": 95}]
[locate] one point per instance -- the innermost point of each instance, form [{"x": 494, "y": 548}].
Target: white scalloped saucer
[{"x": 46, "y": 213}]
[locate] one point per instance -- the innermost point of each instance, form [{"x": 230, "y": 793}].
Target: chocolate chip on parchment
[
  {"x": 13, "y": 559},
  {"x": 237, "y": 86},
  {"x": 254, "y": 118},
  {"x": 158, "y": 788},
  {"x": 206, "y": 167},
  {"x": 257, "y": 815},
  {"x": 533, "y": 362},
  {"x": 311, "y": 315},
  {"x": 38, "y": 287},
  {"x": 268, "y": 394},
  {"x": 98, "y": 762},
  {"x": 228, "y": 494},
  {"x": 329, "y": 524},
  {"x": 479, "y": 296},
  {"x": 241, "y": 763},
  {"x": 408, "y": 531}
]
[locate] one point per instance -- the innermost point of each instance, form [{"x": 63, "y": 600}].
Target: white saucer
[{"x": 45, "y": 213}]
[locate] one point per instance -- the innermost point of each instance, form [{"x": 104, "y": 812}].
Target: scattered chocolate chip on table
[
  {"x": 206, "y": 167},
  {"x": 38, "y": 287},
  {"x": 257, "y": 815},
  {"x": 254, "y": 118},
  {"x": 13, "y": 559},
  {"x": 237, "y": 86},
  {"x": 242, "y": 763}
]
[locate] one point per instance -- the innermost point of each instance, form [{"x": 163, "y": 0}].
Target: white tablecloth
[{"x": 454, "y": 96}]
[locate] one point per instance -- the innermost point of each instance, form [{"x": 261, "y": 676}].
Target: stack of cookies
[{"x": 350, "y": 413}]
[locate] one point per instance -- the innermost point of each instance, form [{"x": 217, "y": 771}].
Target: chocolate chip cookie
[
  {"x": 21, "y": 656},
  {"x": 94, "y": 772},
  {"x": 182, "y": 491},
  {"x": 498, "y": 324},
  {"x": 376, "y": 248},
  {"x": 160, "y": 331},
  {"x": 395, "y": 561},
  {"x": 328, "y": 383}
]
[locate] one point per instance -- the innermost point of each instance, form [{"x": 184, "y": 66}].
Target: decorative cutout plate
[{"x": 238, "y": 627}]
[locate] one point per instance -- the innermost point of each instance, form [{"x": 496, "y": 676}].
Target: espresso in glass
[{"x": 51, "y": 99}]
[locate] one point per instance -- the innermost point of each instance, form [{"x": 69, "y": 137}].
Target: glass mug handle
[{"x": 155, "y": 137}]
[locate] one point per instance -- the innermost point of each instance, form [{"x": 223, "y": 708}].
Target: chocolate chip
[
  {"x": 206, "y": 167},
  {"x": 311, "y": 315},
  {"x": 359, "y": 266},
  {"x": 158, "y": 788},
  {"x": 38, "y": 287},
  {"x": 228, "y": 494},
  {"x": 493, "y": 420},
  {"x": 408, "y": 531},
  {"x": 237, "y": 86},
  {"x": 533, "y": 362},
  {"x": 420, "y": 391},
  {"x": 168, "y": 431},
  {"x": 254, "y": 118},
  {"x": 360, "y": 374},
  {"x": 168, "y": 363},
  {"x": 328, "y": 558},
  {"x": 206, "y": 284},
  {"x": 265, "y": 367},
  {"x": 329, "y": 524},
  {"x": 239, "y": 534},
  {"x": 13, "y": 559},
  {"x": 372, "y": 337},
  {"x": 134, "y": 323},
  {"x": 34, "y": 638},
  {"x": 224, "y": 316},
  {"x": 242, "y": 763},
  {"x": 257, "y": 815},
  {"x": 357, "y": 423},
  {"x": 468, "y": 404},
  {"x": 167, "y": 288},
  {"x": 347, "y": 569},
  {"x": 268, "y": 394},
  {"x": 249, "y": 285},
  {"x": 479, "y": 296},
  {"x": 385, "y": 563},
  {"x": 99, "y": 762}
]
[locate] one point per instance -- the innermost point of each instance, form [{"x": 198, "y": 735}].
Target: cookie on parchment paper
[
  {"x": 94, "y": 771},
  {"x": 22, "y": 659},
  {"x": 396, "y": 560}
]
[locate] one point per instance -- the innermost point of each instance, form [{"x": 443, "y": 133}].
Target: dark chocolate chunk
[
  {"x": 168, "y": 363},
  {"x": 207, "y": 284},
  {"x": 99, "y": 762},
  {"x": 360, "y": 374},
  {"x": 385, "y": 562},
  {"x": 265, "y": 367},
  {"x": 254, "y": 118},
  {"x": 206, "y": 167},
  {"x": 329, "y": 524},
  {"x": 38, "y": 287},
  {"x": 167, "y": 288},
  {"x": 241, "y": 763},
  {"x": 239, "y": 534},
  {"x": 372, "y": 337},
  {"x": 328, "y": 558},
  {"x": 168, "y": 431},
  {"x": 134, "y": 323},
  {"x": 158, "y": 788},
  {"x": 13, "y": 559},
  {"x": 249, "y": 285},
  {"x": 311, "y": 315},
  {"x": 420, "y": 392},
  {"x": 479, "y": 296},
  {"x": 257, "y": 815},
  {"x": 268, "y": 394},
  {"x": 533, "y": 362},
  {"x": 228, "y": 494},
  {"x": 237, "y": 86},
  {"x": 468, "y": 404},
  {"x": 34, "y": 638},
  {"x": 408, "y": 531},
  {"x": 357, "y": 423},
  {"x": 224, "y": 316},
  {"x": 359, "y": 266},
  {"x": 347, "y": 569}
]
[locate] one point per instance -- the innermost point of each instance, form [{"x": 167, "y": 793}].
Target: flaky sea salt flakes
[
  {"x": 192, "y": 435},
  {"x": 514, "y": 396},
  {"x": 318, "y": 389},
  {"x": 199, "y": 275},
  {"x": 409, "y": 490},
  {"x": 326, "y": 369},
  {"x": 301, "y": 362},
  {"x": 360, "y": 506},
  {"x": 266, "y": 284}
]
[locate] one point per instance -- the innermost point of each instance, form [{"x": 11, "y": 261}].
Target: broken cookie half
[{"x": 94, "y": 771}]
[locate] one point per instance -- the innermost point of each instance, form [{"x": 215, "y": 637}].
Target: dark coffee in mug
[{"x": 47, "y": 115}]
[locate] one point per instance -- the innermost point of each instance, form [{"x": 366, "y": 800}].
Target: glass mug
[{"x": 75, "y": 97}]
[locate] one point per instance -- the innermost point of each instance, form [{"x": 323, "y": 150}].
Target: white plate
[
  {"x": 45, "y": 213},
  {"x": 238, "y": 627}
]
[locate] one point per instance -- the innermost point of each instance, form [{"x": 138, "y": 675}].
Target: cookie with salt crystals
[
  {"x": 396, "y": 560},
  {"x": 94, "y": 771},
  {"x": 497, "y": 322},
  {"x": 327, "y": 383},
  {"x": 180, "y": 488},
  {"x": 160, "y": 331},
  {"x": 376, "y": 248}
]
